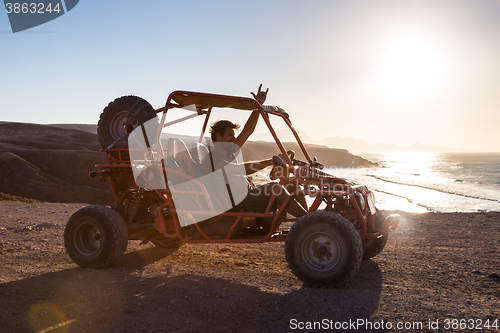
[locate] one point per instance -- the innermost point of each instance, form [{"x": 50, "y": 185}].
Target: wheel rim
[
  {"x": 88, "y": 239},
  {"x": 321, "y": 251},
  {"x": 119, "y": 125}
]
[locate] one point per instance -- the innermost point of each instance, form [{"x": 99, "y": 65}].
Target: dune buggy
[{"x": 162, "y": 195}]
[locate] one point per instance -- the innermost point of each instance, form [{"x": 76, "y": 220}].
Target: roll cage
[{"x": 170, "y": 219}]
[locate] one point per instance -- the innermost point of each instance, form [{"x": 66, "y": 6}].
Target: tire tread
[
  {"x": 371, "y": 246},
  {"x": 344, "y": 227},
  {"x": 124, "y": 103},
  {"x": 116, "y": 233}
]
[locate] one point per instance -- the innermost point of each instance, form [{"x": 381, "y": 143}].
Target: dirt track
[{"x": 435, "y": 266}]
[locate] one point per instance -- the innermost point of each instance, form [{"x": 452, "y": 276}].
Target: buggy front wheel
[
  {"x": 373, "y": 246},
  {"x": 323, "y": 249}
]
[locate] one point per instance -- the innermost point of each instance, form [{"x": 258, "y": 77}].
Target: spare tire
[{"x": 119, "y": 119}]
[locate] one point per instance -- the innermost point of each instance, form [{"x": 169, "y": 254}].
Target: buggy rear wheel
[
  {"x": 119, "y": 119},
  {"x": 323, "y": 249},
  {"x": 95, "y": 237}
]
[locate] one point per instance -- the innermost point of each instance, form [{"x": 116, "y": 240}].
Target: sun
[{"x": 410, "y": 66}]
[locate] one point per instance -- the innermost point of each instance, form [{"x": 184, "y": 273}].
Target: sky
[{"x": 392, "y": 72}]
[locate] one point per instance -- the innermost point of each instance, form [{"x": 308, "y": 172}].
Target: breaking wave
[{"x": 380, "y": 178}]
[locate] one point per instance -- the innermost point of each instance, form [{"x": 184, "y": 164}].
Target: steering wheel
[{"x": 278, "y": 162}]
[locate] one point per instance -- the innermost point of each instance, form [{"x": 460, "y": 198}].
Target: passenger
[{"x": 223, "y": 154}]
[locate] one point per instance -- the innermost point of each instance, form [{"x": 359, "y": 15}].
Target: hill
[
  {"x": 353, "y": 145},
  {"x": 51, "y": 162},
  {"x": 48, "y": 163}
]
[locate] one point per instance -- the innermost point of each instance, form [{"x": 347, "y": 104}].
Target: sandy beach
[{"x": 437, "y": 269}]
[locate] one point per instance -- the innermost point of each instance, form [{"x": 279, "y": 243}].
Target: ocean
[{"x": 431, "y": 182}]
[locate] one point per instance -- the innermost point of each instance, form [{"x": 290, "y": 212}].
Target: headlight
[{"x": 360, "y": 200}]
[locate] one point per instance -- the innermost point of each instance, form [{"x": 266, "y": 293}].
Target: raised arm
[{"x": 252, "y": 120}]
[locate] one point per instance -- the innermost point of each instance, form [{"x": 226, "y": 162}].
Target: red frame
[{"x": 314, "y": 180}]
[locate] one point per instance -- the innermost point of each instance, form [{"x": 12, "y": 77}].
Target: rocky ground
[{"x": 441, "y": 268}]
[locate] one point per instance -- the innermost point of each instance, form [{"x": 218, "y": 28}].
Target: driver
[{"x": 226, "y": 144}]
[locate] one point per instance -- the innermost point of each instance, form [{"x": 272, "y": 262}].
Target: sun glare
[{"x": 411, "y": 66}]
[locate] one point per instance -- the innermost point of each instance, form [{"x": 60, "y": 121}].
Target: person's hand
[{"x": 261, "y": 95}]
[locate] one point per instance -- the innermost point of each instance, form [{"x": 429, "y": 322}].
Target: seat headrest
[
  {"x": 178, "y": 151},
  {"x": 176, "y": 147},
  {"x": 200, "y": 151}
]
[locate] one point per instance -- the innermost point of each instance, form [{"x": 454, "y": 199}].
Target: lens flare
[{"x": 47, "y": 317}]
